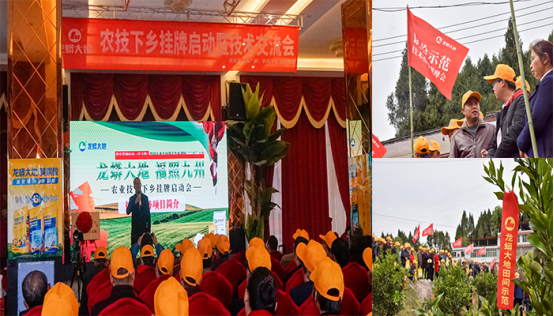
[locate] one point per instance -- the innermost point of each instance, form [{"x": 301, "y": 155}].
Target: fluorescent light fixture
[
  {"x": 296, "y": 9},
  {"x": 320, "y": 64}
]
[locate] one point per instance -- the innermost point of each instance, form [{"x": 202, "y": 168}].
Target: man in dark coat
[
  {"x": 510, "y": 120},
  {"x": 139, "y": 207}
]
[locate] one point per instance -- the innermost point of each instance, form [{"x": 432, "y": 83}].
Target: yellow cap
[
  {"x": 329, "y": 238},
  {"x": 191, "y": 267},
  {"x": 60, "y": 301},
  {"x": 397, "y": 244},
  {"x": 223, "y": 244},
  {"x": 311, "y": 254},
  {"x": 367, "y": 257},
  {"x": 421, "y": 146},
  {"x": 518, "y": 84},
  {"x": 454, "y": 124},
  {"x": 166, "y": 261},
  {"x": 171, "y": 299},
  {"x": 256, "y": 242},
  {"x": 258, "y": 257},
  {"x": 184, "y": 245},
  {"x": 503, "y": 72},
  {"x": 147, "y": 251},
  {"x": 101, "y": 253},
  {"x": 389, "y": 238},
  {"x": 328, "y": 276},
  {"x": 213, "y": 238},
  {"x": 441, "y": 251},
  {"x": 301, "y": 233},
  {"x": 121, "y": 259},
  {"x": 435, "y": 146},
  {"x": 517, "y": 275},
  {"x": 406, "y": 245},
  {"x": 470, "y": 94},
  {"x": 205, "y": 247}
]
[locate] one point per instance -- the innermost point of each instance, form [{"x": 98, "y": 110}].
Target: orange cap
[
  {"x": 328, "y": 276},
  {"x": 171, "y": 299},
  {"x": 256, "y": 242},
  {"x": 518, "y": 84},
  {"x": 421, "y": 146},
  {"x": 367, "y": 257},
  {"x": 435, "y": 146},
  {"x": 184, "y": 245},
  {"x": 191, "y": 267},
  {"x": 258, "y": 257},
  {"x": 205, "y": 247},
  {"x": 166, "y": 261},
  {"x": 147, "y": 251},
  {"x": 329, "y": 238},
  {"x": 101, "y": 253},
  {"x": 470, "y": 94},
  {"x": 213, "y": 238},
  {"x": 311, "y": 254},
  {"x": 454, "y": 124},
  {"x": 223, "y": 244},
  {"x": 121, "y": 258},
  {"x": 60, "y": 301},
  {"x": 301, "y": 233},
  {"x": 503, "y": 72}
]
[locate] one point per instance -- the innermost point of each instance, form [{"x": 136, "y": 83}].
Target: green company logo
[{"x": 82, "y": 146}]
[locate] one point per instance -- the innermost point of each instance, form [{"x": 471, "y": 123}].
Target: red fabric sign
[
  {"x": 492, "y": 263},
  {"x": 481, "y": 251},
  {"x": 377, "y": 149},
  {"x": 508, "y": 251},
  {"x": 433, "y": 54},
  {"x": 468, "y": 249},
  {"x": 416, "y": 235},
  {"x": 168, "y": 45},
  {"x": 428, "y": 231},
  {"x": 457, "y": 243}
]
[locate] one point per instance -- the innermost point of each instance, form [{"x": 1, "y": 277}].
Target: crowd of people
[
  {"x": 319, "y": 277},
  {"x": 425, "y": 264},
  {"x": 472, "y": 137}
]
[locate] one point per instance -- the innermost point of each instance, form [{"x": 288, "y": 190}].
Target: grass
[
  {"x": 170, "y": 228},
  {"x": 412, "y": 301}
]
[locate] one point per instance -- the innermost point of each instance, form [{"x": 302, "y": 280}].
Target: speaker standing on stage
[{"x": 140, "y": 208}]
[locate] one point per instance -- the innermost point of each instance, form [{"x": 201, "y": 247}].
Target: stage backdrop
[{"x": 182, "y": 167}]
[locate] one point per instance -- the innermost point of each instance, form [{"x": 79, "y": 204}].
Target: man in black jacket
[
  {"x": 139, "y": 207},
  {"x": 405, "y": 254},
  {"x": 122, "y": 277},
  {"x": 510, "y": 120}
]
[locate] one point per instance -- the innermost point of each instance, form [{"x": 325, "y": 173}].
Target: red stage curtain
[
  {"x": 130, "y": 91},
  {"x": 266, "y": 86},
  {"x": 337, "y": 138},
  {"x": 317, "y": 93},
  {"x": 339, "y": 96},
  {"x": 288, "y": 93},
  {"x": 304, "y": 178},
  {"x": 165, "y": 93}
]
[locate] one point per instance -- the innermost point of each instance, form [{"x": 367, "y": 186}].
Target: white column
[{"x": 276, "y": 216}]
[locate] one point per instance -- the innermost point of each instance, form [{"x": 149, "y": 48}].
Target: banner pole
[
  {"x": 523, "y": 84},
  {"x": 411, "y": 109}
]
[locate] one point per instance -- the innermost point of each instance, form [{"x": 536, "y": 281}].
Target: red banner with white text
[
  {"x": 434, "y": 55},
  {"x": 428, "y": 231},
  {"x": 457, "y": 243},
  {"x": 416, "y": 235},
  {"x": 169, "y": 45},
  {"x": 377, "y": 149},
  {"x": 468, "y": 249},
  {"x": 481, "y": 251},
  {"x": 508, "y": 251}
]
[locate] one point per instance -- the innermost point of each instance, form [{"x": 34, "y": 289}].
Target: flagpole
[
  {"x": 523, "y": 85},
  {"x": 412, "y": 109}
]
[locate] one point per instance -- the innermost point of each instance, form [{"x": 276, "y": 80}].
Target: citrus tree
[{"x": 388, "y": 286}]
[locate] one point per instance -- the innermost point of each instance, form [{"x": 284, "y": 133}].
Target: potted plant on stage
[{"x": 254, "y": 141}]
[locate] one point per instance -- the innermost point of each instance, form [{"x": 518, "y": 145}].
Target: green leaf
[
  {"x": 499, "y": 195},
  {"x": 536, "y": 241}
]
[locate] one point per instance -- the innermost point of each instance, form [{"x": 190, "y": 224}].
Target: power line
[
  {"x": 466, "y": 4},
  {"x": 410, "y": 220},
  {"x": 473, "y": 35},
  {"x": 479, "y": 40},
  {"x": 470, "y": 27}
]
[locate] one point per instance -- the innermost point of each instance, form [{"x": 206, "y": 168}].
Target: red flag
[
  {"x": 416, "y": 235},
  {"x": 481, "y": 251},
  {"x": 377, "y": 149},
  {"x": 457, "y": 243},
  {"x": 468, "y": 249},
  {"x": 508, "y": 250},
  {"x": 428, "y": 231},
  {"x": 433, "y": 54},
  {"x": 492, "y": 263}
]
